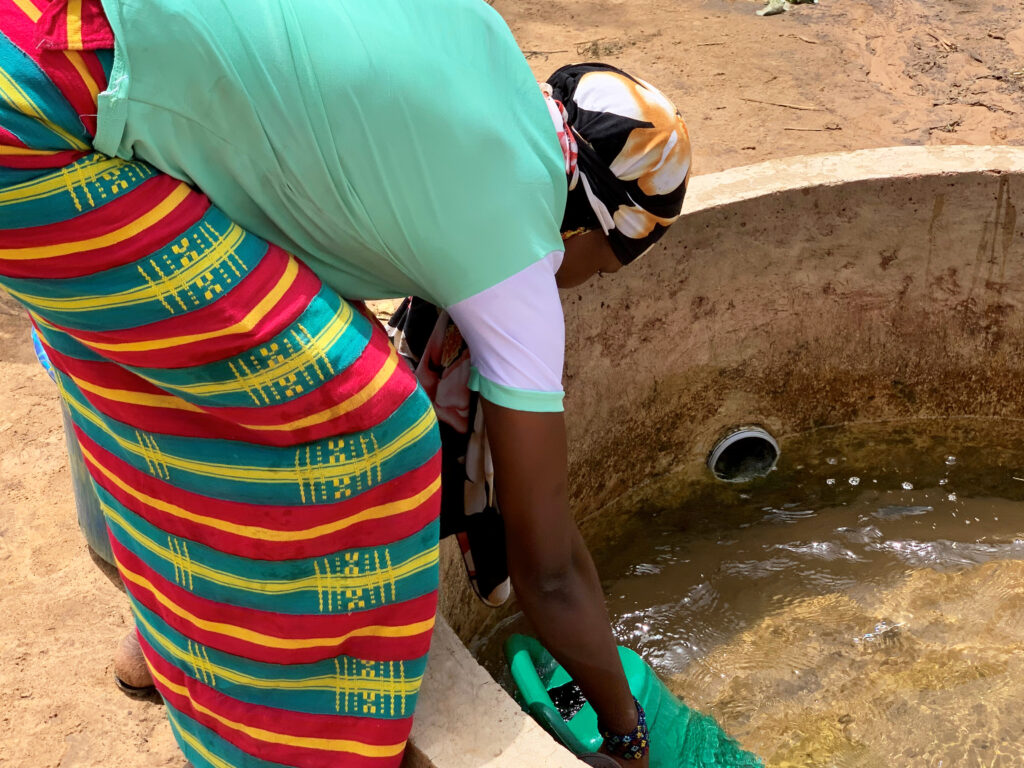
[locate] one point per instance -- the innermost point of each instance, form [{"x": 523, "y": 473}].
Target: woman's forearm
[
  {"x": 569, "y": 614},
  {"x": 551, "y": 569}
]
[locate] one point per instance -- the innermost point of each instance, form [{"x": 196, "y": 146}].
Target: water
[{"x": 864, "y": 606}]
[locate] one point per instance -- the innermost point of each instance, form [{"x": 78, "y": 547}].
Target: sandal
[{"x": 134, "y": 691}]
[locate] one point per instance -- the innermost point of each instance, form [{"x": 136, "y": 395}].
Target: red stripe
[
  {"x": 52, "y": 28},
  {"x": 92, "y": 61},
  {"x": 281, "y": 625},
  {"x": 343, "y": 385},
  {"x": 63, "y": 74},
  {"x": 368, "y": 730},
  {"x": 32, "y": 162},
  {"x": 223, "y": 422},
  {"x": 19, "y": 28},
  {"x": 39, "y": 162},
  {"x": 224, "y": 313},
  {"x": 160, "y": 420},
  {"x": 9, "y": 139},
  {"x": 96, "y": 31},
  {"x": 44, "y": 42},
  {"x": 108, "y": 218},
  {"x": 370, "y": 533},
  {"x": 99, "y": 221}
]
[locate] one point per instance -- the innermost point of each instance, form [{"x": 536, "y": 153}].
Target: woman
[{"x": 268, "y": 469}]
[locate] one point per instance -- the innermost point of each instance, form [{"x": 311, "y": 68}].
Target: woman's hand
[{"x": 552, "y": 571}]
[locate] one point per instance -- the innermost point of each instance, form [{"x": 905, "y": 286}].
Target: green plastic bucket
[
  {"x": 90, "y": 516},
  {"x": 680, "y": 736}
]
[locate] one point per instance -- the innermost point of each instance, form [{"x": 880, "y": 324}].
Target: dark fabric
[
  {"x": 431, "y": 343},
  {"x": 622, "y": 124}
]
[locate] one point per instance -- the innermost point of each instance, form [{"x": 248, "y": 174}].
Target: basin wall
[{"x": 795, "y": 294}]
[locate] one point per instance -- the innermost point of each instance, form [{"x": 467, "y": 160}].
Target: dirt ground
[{"x": 845, "y": 74}]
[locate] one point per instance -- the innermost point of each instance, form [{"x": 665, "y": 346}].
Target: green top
[{"x": 397, "y": 146}]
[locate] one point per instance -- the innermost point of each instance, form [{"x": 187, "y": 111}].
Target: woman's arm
[{"x": 552, "y": 571}]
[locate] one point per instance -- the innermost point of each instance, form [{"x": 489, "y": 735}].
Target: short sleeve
[{"x": 516, "y": 336}]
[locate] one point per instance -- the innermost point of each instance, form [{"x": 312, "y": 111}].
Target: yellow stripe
[
  {"x": 367, "y": 686},
  {"x": 30, "y": 10},
  {"x": 271, "y": 641},
  {"x": 57, "y": 182},
  {"x": 83, "y": 72},
  {"x": 75, "y": 25},
  {"x": 245, "y": 325},
  {"x": 272, "y": 737},
  {"x": 7, "y": 149},
  {"x": 325, "y": 338},
  {"x": 193, "y": 742},
  {"x": 136, "y": 398},
  {"x": 323, "y": 473},
  {"x": 349, "y": 404},
  {"x": 154, "y": 290},
  {"x": 20, "y": 102},
  {"x": 389, "y": 509},
  {"x": 150, "y": 218},
  {"x": 410, "y": 567}
]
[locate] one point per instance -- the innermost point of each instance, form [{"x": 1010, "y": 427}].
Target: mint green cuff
[
  {"x": 111, "y": 105},
  {"x": 516, "y": 399}
]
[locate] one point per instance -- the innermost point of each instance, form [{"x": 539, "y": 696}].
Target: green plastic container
[
  {"x": 90, "y": 516},
  {"x": 680, "y": 737}
]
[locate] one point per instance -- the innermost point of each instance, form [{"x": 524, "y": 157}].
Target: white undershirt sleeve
[{"x": 515, "y": 331}]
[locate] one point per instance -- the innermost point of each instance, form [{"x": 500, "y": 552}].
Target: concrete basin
[{"x": 795, "y": 294}]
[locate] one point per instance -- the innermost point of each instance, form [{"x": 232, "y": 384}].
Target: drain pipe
[{"x": 743, "y": 454}]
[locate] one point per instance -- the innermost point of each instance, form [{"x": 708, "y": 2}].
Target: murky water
[{"x": 864, "y": 606}]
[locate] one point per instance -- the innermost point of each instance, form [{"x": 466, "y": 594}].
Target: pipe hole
[{"x": 743, "y": 455}]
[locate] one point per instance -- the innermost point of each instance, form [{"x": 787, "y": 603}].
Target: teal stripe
[
  {"x": 346, "y": 581},
  {"x": 153, "y": 288},
  {"x": 225, "y": 751},
  {"x": 46, "y": 97},
  {"x": 289, "y": 468},
  {"x": 59, "y": 196},
  {"x": 323, "y": 691},
  {"x": 106, "y": 61},
  {"x": 68, "y": 345},
  {"x": 314, "y": 363},
  {"x": 11, "y": 176}
]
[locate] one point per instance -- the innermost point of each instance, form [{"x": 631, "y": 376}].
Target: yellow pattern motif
[
  {"x": 336, "y": 470},
  {"x": 351, "y": 584},
  {"x": 272, "y": 737},
  {"x": 379, "y": 512},
  {"x": 267, "y": 373},
  {"x": 273, "y": 641},
  {"x": 357, "y": 685},
  {"x": 107, "y": 176}
]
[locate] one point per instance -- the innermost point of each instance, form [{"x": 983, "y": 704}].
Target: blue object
[{"x": 90, "y": 515}]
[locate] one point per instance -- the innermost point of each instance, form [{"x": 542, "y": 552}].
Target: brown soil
[
  {"x": 845, "y": 74},
  {"x": 841, "y": 75}
]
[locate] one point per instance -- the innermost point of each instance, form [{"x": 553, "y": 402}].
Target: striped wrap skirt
[{"x": 268, "y": 468}]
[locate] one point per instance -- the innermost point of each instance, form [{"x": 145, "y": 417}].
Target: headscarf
[{"x": 627, "y": 155}]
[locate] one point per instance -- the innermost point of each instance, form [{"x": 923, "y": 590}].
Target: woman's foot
[{"x": 130, "y": 671}]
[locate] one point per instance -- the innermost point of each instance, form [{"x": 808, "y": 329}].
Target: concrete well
[{"x": 814, "y": 291}]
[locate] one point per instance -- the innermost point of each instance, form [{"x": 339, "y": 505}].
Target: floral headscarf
[{"x": 627, "y": 155}]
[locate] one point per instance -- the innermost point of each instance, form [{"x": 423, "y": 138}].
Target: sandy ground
[{"x": 841, "y": 75}]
